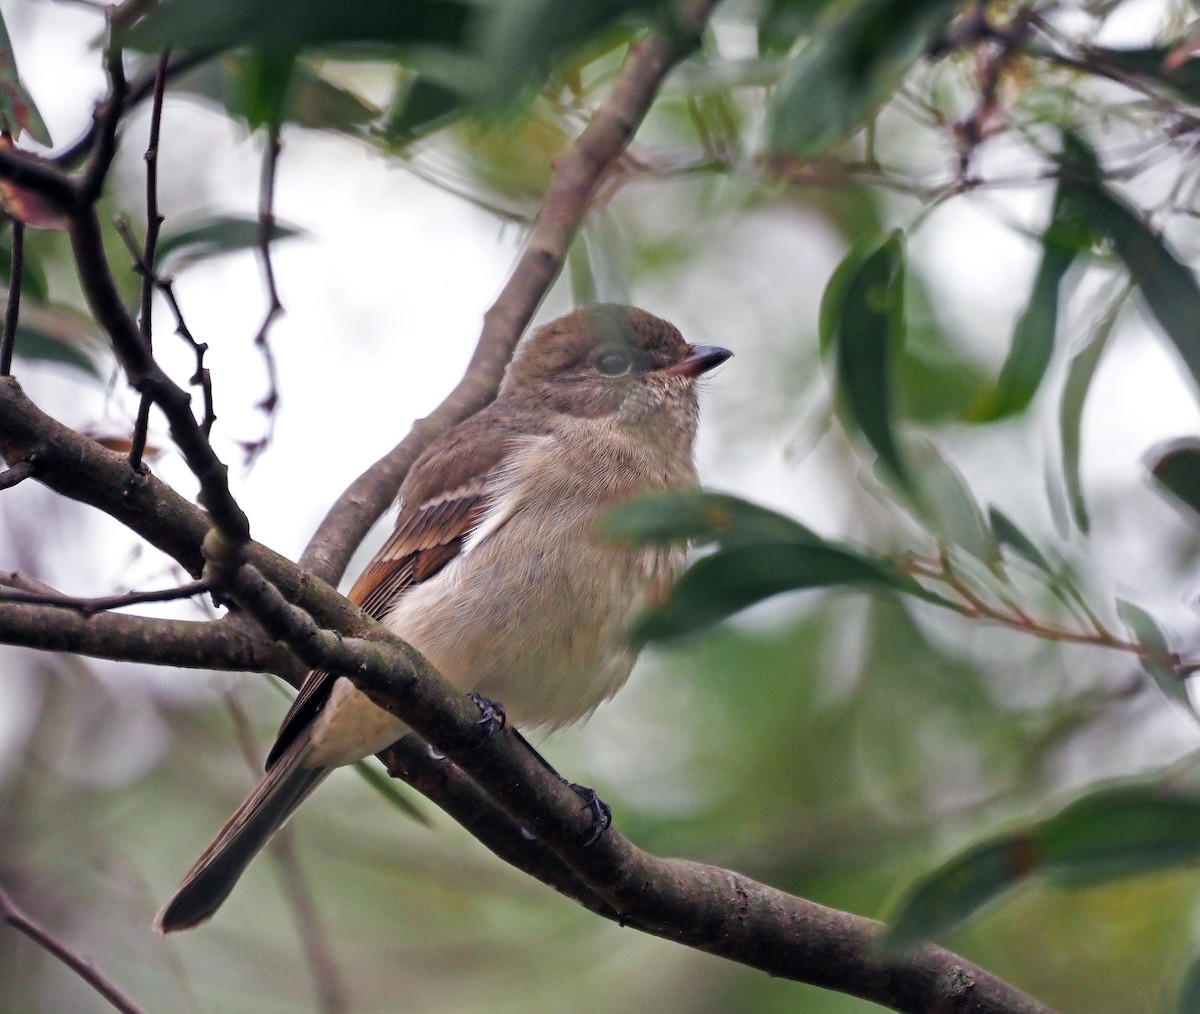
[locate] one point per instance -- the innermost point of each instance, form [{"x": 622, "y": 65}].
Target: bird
[{"x": 494, "y": 570}]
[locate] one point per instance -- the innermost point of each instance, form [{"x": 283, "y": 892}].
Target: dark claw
[
  {"x": 493, "y": 716},
  {"x": 601, "y": 811}
]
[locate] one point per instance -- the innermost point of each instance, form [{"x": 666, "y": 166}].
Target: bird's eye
[{"x": 614, "y": 362}]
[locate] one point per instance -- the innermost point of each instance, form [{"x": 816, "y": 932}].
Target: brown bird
[{"x": 494, "y": 570}]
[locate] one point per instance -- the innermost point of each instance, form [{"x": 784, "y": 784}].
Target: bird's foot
[
  {"x": 493, "y": 716},
  {"x": 600, "y": 810}
]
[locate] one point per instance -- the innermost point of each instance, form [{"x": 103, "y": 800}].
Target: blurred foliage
[{"x": 961, "y": 699}]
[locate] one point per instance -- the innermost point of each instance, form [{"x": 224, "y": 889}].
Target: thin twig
[
  {"x": 140, "y": 89},
  {"x": 18, "y": 920},
  {"x": 137, "y": 444},
  {"x": 12, "y": 310},
  {"x": 89, "y": 607},
  {"x": 262, "y": 340},
  {"x": 201, "y": 378},
  {"x": 19, "y": 471},
  {"x": 104, "y": 138}
]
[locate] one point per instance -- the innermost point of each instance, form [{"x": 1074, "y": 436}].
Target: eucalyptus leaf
[
  {"x": 213, "y": 237},
  {"x": 702, "y": 518},
  {"x": 17, "y": 109},
  {"x": 268, "y": 25},
  {"x": 957, "y": 890},
  {"x": 1118, "y": 831},
  {"x": 854, "y": 62},
  {"x": 1011, "y": 536},
  {"x": 1147, "y": 633},
  {"x": 867, "y": 326},
  {"x": 730, "y": 580},
  {"x": 1176, "y": 468},
  {"x": 1080, "y": 374}
]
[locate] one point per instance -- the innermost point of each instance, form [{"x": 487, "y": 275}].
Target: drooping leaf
[
  {"x": 1033, "y": 339},
  {"x": 212, "y": 237},
  {"x": 260, "y": 83},
  {"x": 781, "y": 21},
  {"x": 1147, "y": 633},
  {"x": 420, "y": 106},
  {"x": 957, "y": 890},
  {"x": 56, "y": 334},
  {"x": 1176, "y": 468},
  {"x": 1189, "y": 991},
  {"x": 34, "y": 285},
  {"x": 1016, "y": 540},
  {"x": 267, "y": 25},
  {"x": 946, "y": 504},
  {"x": 730, "y": 580},
  {"x": 1120, "y": 830},
  {"x": 664, "y": 518},
  {"x": 868, "y": 329},
  {"x": 17, "y": 110},
  {"x": 521, "y": 40},
  {"x": 1080, "y": 373},
  {"x": 1168, "y": 287},
  {"x": 854, "y": 63}
]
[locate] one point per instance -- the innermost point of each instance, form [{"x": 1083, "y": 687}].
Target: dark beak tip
[{"x": 700, "y": 359}]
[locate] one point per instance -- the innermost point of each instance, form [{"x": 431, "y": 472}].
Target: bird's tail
[{"x": 208, "y": 883}]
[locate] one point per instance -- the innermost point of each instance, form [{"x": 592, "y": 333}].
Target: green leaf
[
  {"x": 946, "y": 504},
  {"x": 868, "y": 330},
  {"x": 1176, "y": 468},
  {"x": 259, "y": 87},
  {"x": 1033, "y": 338},
  {"x": 1148, "y": 634},
  {"x": 1168, "y": 286},
  {"x": 321, "y": 105},
  {"x": 956, "y": 891},
  {"x": 35, "y": 287},
  {"x": 730, "y": 580},
  {"x": 855, "y": 61},
  {"x": 268, "y": 25},
  {"x": 662, "y": 519},
  {"x": 17, "y": 110},
  {"x": 1189, "y": 991},
  {"x": 1080, "y": 373},
  {"x": 56, "y": 334},
  {"x": 213, "y": 237},
  {"x": 1016, "y": 540},
  {"x": 522, "y": 38},
  {"x": 420, "y": 106},
  {"x": 1118, "y": 831},
  {"x": 781, "y": 21}
]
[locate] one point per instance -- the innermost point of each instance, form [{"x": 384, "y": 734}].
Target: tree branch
[
  {"x": 578, "y": 174},
  {"x": 18, "y": 920}
]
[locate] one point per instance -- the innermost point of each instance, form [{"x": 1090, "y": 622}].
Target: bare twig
[
  {"x": 578, "y": 174},
  {"x": 91, "y": 606},
  {"x": 140, "y": 89},
  {"x": 22, "y": 923},
  {"x": 201, "y": 377},
  {"x": 104, "y": 137},
  {"x": 262, "y": 340},
  {"x": 153, "y": 223},
  {"x": 12, "y": 310},
  {"x": 19, "y": 472}
]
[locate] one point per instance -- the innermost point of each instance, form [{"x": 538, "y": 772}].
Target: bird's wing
[{"x": 438, "y": 511}]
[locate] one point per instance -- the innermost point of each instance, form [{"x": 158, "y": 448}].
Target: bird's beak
[{"x": 700, "y": 359}]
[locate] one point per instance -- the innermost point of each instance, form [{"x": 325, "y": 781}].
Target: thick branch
[
  {"x": 578, "y": 174},
  {"x": 223, "y": 645}
]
